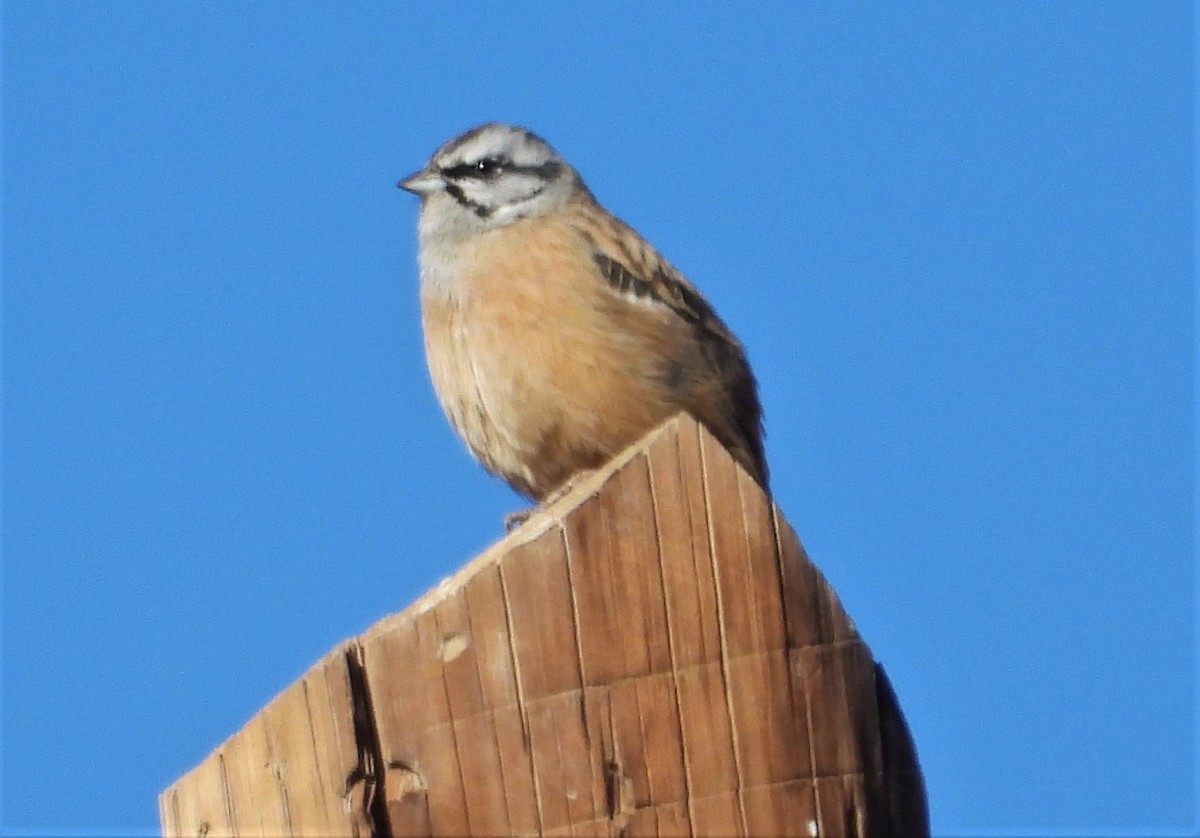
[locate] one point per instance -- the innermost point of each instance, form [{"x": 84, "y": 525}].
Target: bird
[{"x": 554, "y": 334}]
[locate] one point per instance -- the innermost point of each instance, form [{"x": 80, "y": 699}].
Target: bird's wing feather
[{"x": 630, "y": 266}]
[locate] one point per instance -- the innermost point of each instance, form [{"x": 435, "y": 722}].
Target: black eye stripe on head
[
  {"x": 488, "y": 168},
  {"x": 483, "y": 169}
]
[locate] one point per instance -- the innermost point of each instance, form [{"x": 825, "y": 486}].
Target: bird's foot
[{"x": 515, "y": 519}]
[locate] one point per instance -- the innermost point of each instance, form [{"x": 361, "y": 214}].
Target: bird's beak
[{"x": 423, "y": 182}]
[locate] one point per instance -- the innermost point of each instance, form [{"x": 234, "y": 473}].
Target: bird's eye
[{"x": 488, "y": 167}]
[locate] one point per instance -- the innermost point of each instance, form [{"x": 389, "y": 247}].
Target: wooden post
[{"x": 653, "y": 654}]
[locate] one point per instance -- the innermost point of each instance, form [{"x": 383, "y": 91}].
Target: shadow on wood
[{"x": 653, "y": 654}]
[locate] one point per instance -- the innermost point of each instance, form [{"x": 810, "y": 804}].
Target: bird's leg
[{"x": 515, "y": 519}]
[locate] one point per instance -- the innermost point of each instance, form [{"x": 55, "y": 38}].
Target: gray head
[{"x": 493, "y": 175}]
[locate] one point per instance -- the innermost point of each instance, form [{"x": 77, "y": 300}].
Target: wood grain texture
[
  {"x": 297, "y": 768},
  {"x": 653, "y": 654}
]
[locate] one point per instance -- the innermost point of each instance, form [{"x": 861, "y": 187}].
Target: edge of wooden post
[{"x": 653, "y": 653}]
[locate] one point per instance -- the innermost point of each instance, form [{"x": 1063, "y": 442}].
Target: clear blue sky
[{"x": 956, "y": 238}]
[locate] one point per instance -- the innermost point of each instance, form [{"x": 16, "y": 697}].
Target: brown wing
[{"x": 632, "y": 267}]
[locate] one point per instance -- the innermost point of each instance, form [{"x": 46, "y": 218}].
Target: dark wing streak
[{"x": 668, "y": 288}]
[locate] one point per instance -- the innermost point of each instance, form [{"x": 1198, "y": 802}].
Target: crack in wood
[
  {"x": 619, "y": 800},
  {"x": 722, "y": 637},
  {"x": 522, "y": 705},
  {"x": 368, "y": 749}
]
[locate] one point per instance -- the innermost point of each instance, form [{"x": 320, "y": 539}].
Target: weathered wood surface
[{"x": 652, "y": 655}]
